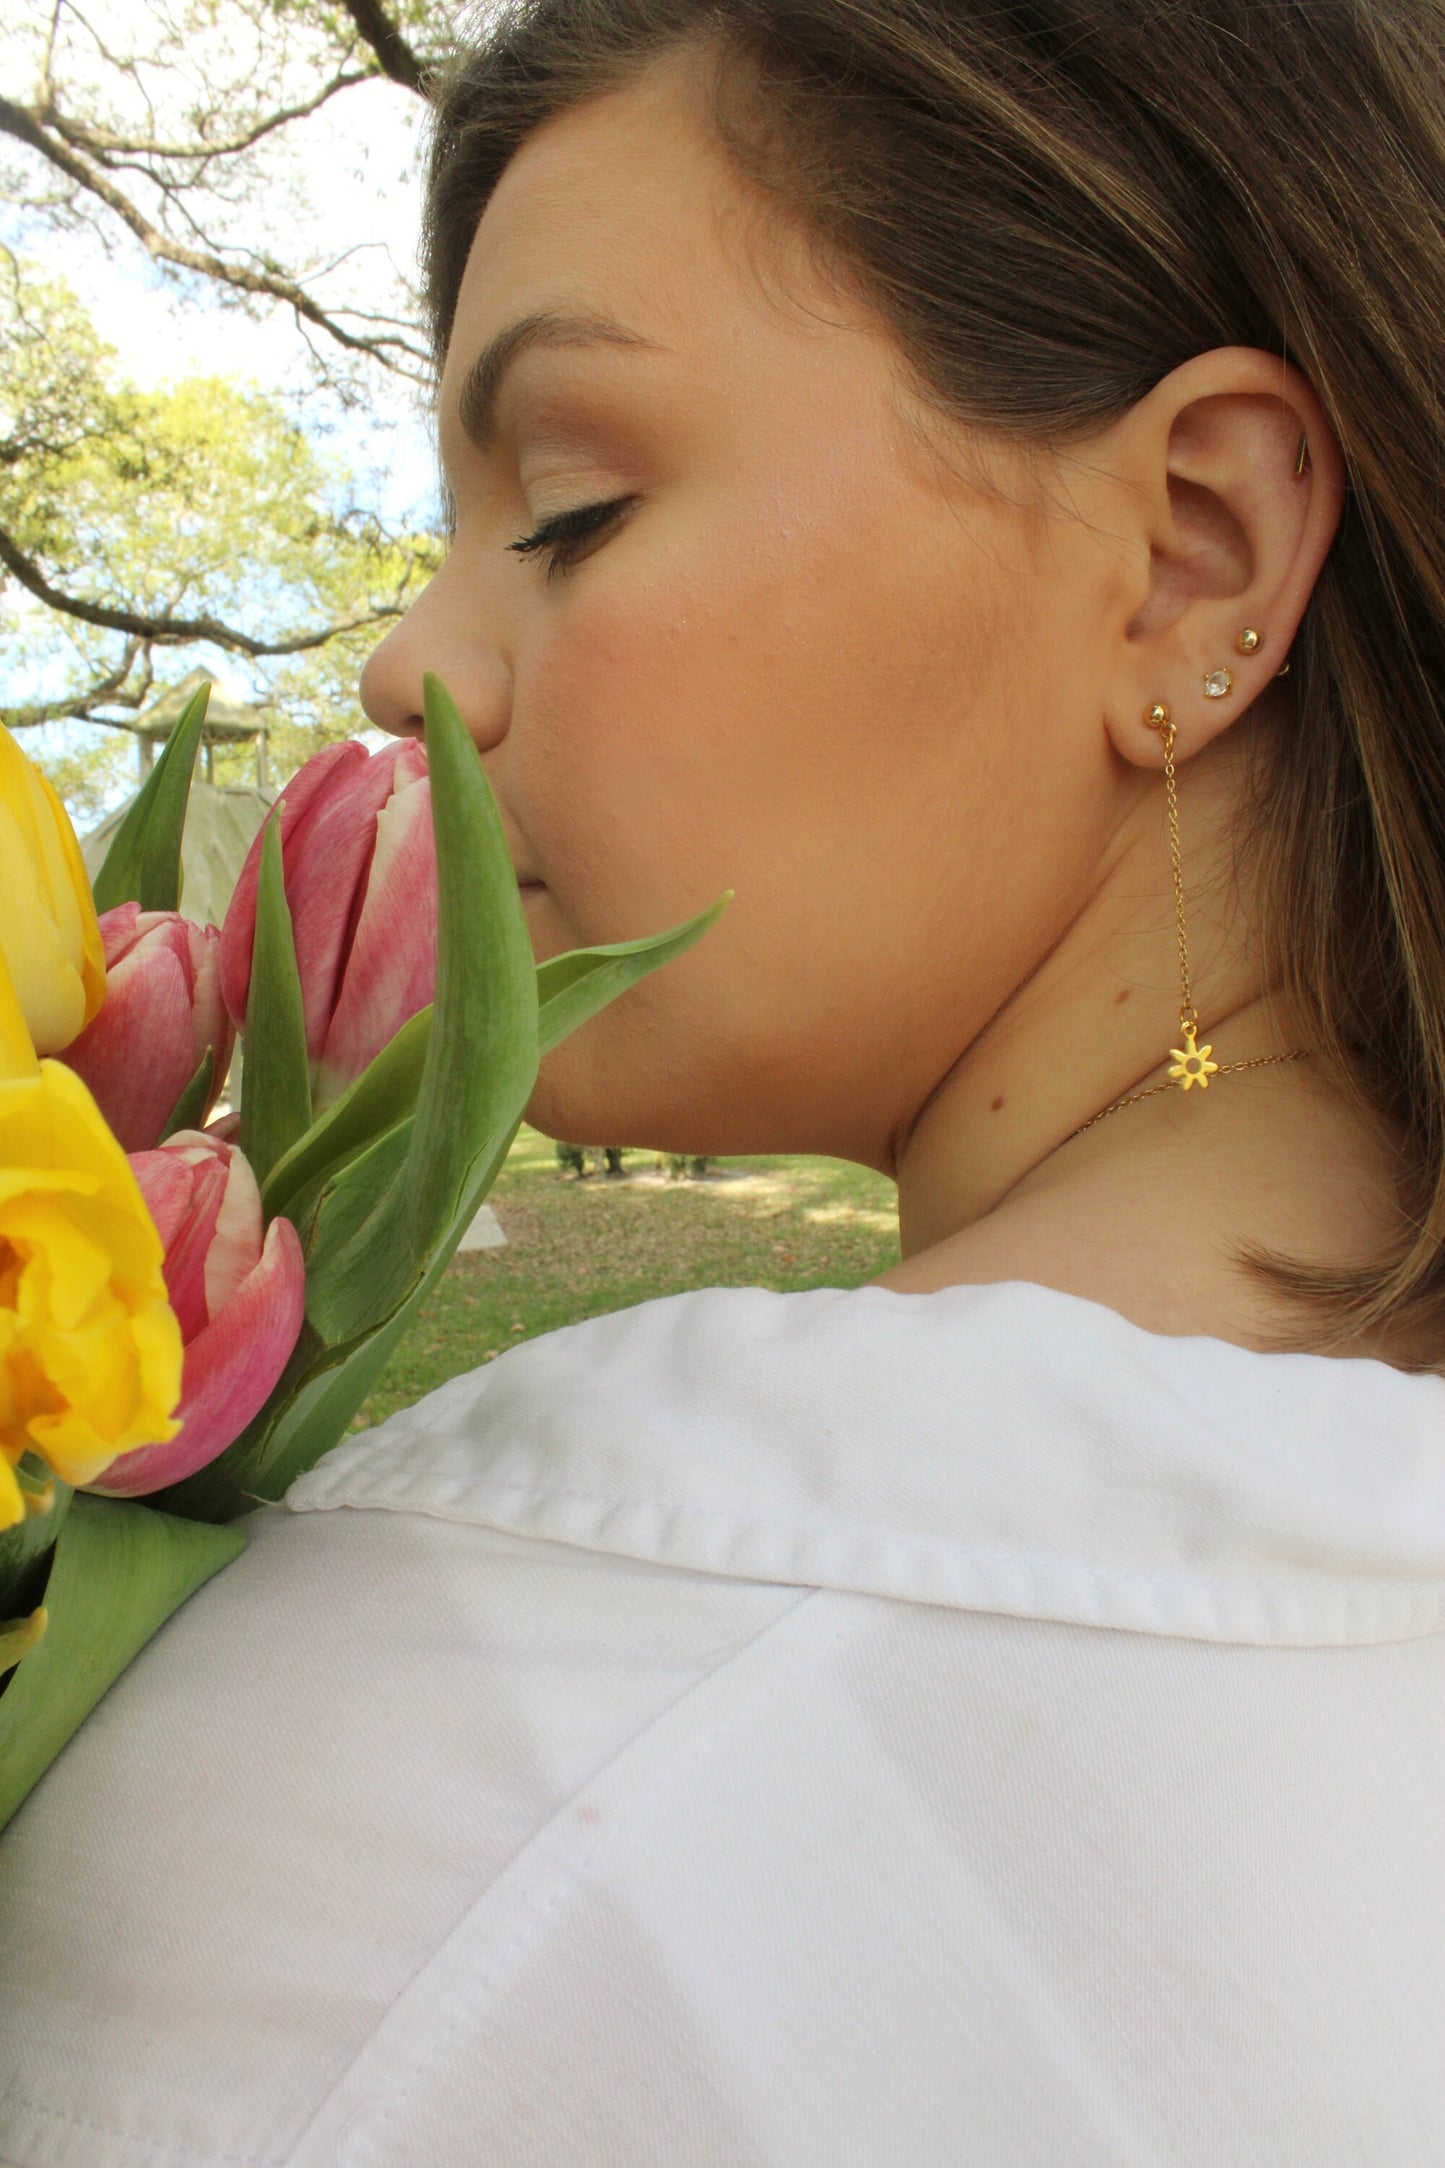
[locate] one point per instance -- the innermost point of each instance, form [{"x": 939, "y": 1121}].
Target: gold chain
[
  {"x": 1224, "y": 1068},
  {"x": 1192, "y": 1063},
  {"x": 1188, "y": 1014}
]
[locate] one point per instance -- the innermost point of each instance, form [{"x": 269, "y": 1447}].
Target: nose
[{"x": 439, "y": 635}]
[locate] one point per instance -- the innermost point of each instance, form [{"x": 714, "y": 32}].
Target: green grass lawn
[{"x": 578, "y": 1247}]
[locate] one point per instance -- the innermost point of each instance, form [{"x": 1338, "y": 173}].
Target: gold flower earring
[{"x": 1190, "y": 1064}]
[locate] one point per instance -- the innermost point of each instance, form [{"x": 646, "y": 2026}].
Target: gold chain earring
[{"x": 1191, "y": 1064}]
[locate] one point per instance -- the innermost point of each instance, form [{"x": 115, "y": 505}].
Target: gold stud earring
[
  {"x": 1190, "y": 1063},
  {"x": 1217, "y": 684},
  {"x": 1248, "y": 640}
]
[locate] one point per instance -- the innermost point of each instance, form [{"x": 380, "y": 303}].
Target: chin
[
  {"x": 664, "y": 1070},
  {"x": 594, "y": 1090},
  {"x": 574, "y": 1119}
]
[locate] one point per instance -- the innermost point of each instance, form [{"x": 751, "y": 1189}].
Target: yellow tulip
[
  {"x": 49, "y": 936},
  {"x": 90, "y": 1350}
]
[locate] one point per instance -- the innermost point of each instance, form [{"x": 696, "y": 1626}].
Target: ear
[{"x": 1223, "y": 530}]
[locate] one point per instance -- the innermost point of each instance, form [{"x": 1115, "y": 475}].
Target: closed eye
[{"x": 564, "y": 535}]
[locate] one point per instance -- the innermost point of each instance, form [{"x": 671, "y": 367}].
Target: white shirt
[{"x": 833, "y": 1730}]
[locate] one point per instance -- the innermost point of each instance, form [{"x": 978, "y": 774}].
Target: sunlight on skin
[{"x": 889, "y": 687}]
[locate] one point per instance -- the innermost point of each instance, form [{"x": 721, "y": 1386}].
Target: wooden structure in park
[
  {"x": 228, "y": 722},
  {"x": 221, "y": 818}
]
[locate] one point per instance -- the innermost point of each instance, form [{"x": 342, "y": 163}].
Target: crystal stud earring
[
  {"x": 1217, "y": 684},
  {"x": 1248, "y": 640}
]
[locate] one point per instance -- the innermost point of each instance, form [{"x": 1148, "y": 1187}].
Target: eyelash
[{"x": 563, "y": 535}]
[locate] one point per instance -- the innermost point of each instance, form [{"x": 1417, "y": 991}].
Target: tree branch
[
  {"x": 170, "y": 631},
  {"x": 25, "y": 126},
  {"x": 106, "y": 147},
  {"x": 80, "y": 706},
  {"x": 396, "y": 57}
]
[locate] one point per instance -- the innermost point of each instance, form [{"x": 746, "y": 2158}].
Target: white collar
[{"x": 999, "y": 1448}]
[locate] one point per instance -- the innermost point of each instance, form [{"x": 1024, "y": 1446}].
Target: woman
[{"x": 981, "y": 477}]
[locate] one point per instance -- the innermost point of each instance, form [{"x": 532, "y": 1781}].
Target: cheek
[
  {"x": 815, "y": 720},
  {"x": 749, "y": 696}
]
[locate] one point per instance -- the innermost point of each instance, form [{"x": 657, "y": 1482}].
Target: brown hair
[{"x": 1054, "y": 203}]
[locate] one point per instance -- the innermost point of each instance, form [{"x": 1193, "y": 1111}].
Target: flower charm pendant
[{"x": 1191, "y": 1063}]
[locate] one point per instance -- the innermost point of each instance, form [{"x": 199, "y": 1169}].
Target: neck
[
  {"x": 1097, "y": 1017},
  {"x": 1145, "y": 1211}
]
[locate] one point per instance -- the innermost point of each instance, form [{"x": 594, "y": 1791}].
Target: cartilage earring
[
  {"x": 1248, "y": 640},
  {"x": 1217, "y": 684}
]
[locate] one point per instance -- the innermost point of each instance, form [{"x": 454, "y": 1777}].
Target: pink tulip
[
  {"x": 162, "y": 1009},
  {"x": 360, "y": 873},
  {"x": 239, "y": 1300}
]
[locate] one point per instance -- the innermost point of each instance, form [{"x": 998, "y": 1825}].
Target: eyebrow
[{"x": 477, "y": 405}]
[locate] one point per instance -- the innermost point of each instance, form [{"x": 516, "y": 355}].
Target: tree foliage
[
  {"x": 198, "y": 513},
  {"x": 207, "y": 515}
]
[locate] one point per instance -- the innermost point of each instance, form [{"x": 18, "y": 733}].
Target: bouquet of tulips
[{"x": 193, "y": 1306}]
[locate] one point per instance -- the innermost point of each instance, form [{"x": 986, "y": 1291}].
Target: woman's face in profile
[{"x": 809, "y": 656}]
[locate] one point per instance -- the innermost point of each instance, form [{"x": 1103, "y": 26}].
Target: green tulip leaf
[
  {"x": 143, "y": 864},
  {"x": 320, "y": 1391},
  {"x": 384, "y": 1092},
  {"x": 189, "y": 1110},
  {"x": 354, "y": 1279},
  {"x": 481, "y": 1060},
  {"x": 572, "y": 987},
  {"x": 25, "y": 1549},
  {"x": 338, "y": 1382},
  {"x": 276, "y": 1075},
  {"x": 378, "y": 1227},
  {"x": 119, "y": 1572}
]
